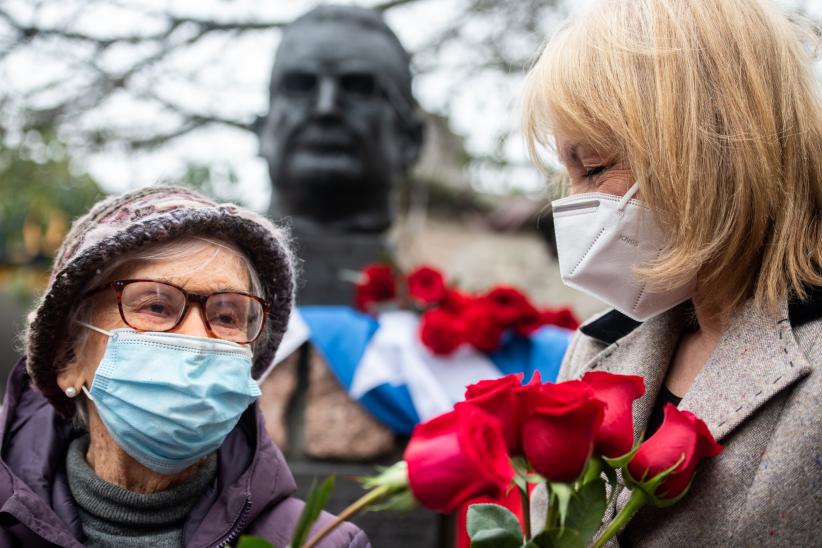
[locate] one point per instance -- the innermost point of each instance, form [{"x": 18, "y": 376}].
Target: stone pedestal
[{"x": 323, "y": 432}]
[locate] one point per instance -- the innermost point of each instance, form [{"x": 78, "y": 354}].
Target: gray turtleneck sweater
[{"x": 112, "y": 516}]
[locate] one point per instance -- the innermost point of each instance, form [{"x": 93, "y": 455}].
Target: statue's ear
[
  {"x": 258, "y": 125},
  {"x": 414, "y": 134},
  {"x": 263, "y": 138}
]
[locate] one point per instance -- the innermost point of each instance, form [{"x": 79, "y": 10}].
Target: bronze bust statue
[
  {"x": 343, "y": 128},
  {"x": 342, "y": 131}
]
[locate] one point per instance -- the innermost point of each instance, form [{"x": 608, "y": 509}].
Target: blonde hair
[{"x": 714, "y": 105}]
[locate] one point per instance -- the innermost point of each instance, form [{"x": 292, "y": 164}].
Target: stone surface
[
  {"x": 336, "y": 427},
  {"x": 277, "y": 391},
  {"x": 319, "y": 412}
]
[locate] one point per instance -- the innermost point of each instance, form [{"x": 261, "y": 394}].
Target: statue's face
[{"x": 334, "y": 138}]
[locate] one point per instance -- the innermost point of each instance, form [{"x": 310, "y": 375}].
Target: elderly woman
[
  {"x": 132, "y": 419},
  {"x": 692, "y": 135}
]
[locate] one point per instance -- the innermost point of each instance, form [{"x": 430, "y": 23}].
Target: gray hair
[{"x": 77, "y": 337}]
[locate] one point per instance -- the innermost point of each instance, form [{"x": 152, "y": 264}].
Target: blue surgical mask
[{"x": 168, "y": 400}]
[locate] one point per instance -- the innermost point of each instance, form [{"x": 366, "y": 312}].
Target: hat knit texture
[{"x": 123, "y": 224}]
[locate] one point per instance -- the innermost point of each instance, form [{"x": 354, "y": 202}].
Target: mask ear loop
[
  {"x": 102, "y": 332},
  {"x": 95, "y": 328},
  {"x": 628, "y": 195}
]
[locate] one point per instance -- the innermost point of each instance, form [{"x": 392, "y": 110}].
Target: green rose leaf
[
  {"x": 557, "y": 538},
  {"x": 314, "y": 505},
  {"x": 593, "y": 470},
  {"x": 520, "y": 465},
  {"x": 563, "y": 493},
  {"x": 521, "y": 482},
  {"x": 493, "y": 526},
  {"x": 495, "y": 538},
  {"x": 650, "y": 486},
  {"x": 535, "y": 478},
  {"x": 586, "y": 509},
  {"x": 622, "y": 462},
  {"x": 253, "y": 542},
  {"x": 403, "y": 501}
]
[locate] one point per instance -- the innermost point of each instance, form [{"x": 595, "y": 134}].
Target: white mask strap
[
  {"x": 88, "y": 394},
  {"x": 94, "y": 328},
  {"x": 628, "y": 195}
]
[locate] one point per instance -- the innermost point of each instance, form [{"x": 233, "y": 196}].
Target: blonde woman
[{"x": 691, "y": 131}]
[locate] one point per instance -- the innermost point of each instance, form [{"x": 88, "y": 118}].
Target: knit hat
[{"x": 144, "y": 217}]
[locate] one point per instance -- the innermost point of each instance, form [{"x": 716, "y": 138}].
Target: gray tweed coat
[{"x": 760, "y": 394}]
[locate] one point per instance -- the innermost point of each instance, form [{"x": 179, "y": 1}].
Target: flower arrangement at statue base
[
  {"x": 572, "y": 437},
  {"x": 450, "y": 317}
]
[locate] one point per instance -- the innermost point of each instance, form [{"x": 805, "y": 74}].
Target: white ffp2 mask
[{"x": 601, "y": 240}]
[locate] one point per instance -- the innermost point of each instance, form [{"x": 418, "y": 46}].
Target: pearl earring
[{"x": 71, "y": 391}]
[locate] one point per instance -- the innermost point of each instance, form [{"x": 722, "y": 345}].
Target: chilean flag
[{"x": 382, "y": 364}]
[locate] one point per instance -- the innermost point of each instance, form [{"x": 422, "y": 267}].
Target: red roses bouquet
[
  {"x": 572, "y": 436},
  {"x": 450, "y": 317}
]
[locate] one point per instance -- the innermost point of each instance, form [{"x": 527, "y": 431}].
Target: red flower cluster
[
  {"x": 377, "y": 284},
  {"x": 451, "y": 318},
  {"x": 465, "y": 453}
]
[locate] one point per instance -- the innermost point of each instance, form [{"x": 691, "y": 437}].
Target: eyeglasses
[{"x": 150, "y": 305}]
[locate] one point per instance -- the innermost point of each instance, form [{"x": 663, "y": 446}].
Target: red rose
[
  {"x": 482, "y": 330},
  {"x": 456, "y": 301},
  {"x": 509, "y": 305},
  {"x": 561, "y": 422},
  {"x": 457, "y": 456},
  {"x": 566, "y": 318},
  {"x": 561, "y": 317},
  {"x": 441, "y": 332},
  {"x": 427, "y": 285},
  {"x": 682, "y": 434},
  {"x": 615, "y": 437},
  {"x": 377, "y": 285},
  {"x": 501, "y": 399},
  {"x": 529, "y": 322}
]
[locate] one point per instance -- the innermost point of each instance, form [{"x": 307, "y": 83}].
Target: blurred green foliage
[
  {"x": 41, "y": 192},
  {"x": 219, "y": 182}
]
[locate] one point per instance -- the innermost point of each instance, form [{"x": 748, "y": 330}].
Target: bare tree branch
[
  {"x": 30, "y": 32},
  {"x": 225, "y": 26},
  {"x": 154, "y": 141},
  {"x": 206, "y": 118},
  {"x": 175, "y": 34},
  {"x": 391, "y": 4},
  {"x": 205, "y": 26}
]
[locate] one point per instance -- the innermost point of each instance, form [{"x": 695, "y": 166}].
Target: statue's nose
[{"x": 327, "y": 96}]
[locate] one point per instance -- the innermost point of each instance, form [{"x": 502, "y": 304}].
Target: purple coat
[{"x": 252, "y": 494}]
